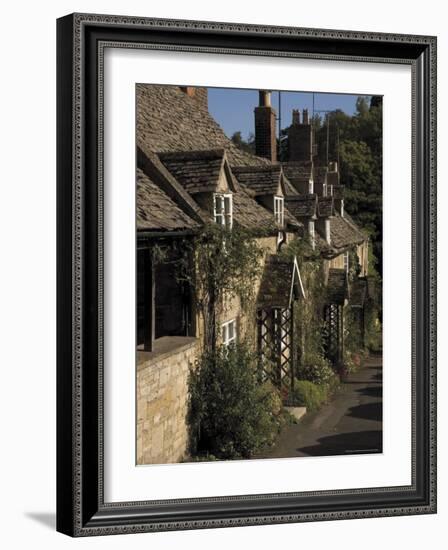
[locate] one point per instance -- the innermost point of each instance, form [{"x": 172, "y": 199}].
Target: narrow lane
[{"x": 350, "y": 424}]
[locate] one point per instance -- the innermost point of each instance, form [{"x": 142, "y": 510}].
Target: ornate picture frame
[{"x": 81, "y": 506}]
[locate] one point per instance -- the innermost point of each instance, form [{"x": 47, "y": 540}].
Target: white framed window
[
  {"x": 346, "y": 262},
  {"x": 223, "y": 209},
  {"x": 279, "y": 210},
  {"x": 229, "y": 332}
]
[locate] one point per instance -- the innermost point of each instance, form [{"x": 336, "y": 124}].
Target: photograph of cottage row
[{"x": 258, "y": 274}]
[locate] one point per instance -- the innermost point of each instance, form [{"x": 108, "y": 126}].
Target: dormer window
[
  {"x": 279, "y": 211},
  {"x": 223, "y": 209}
]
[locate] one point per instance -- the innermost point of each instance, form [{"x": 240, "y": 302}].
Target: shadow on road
[
  {"x": 346, "y": 443},
  {"x": 350, "y": 423},
  {"x": 376, "y": 392},
  {"x": 368, "y": 411}
]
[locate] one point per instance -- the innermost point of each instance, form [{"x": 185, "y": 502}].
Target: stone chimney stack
[
  {"x": 300, "y": 137},
  {"x": 295, "y": 117},
  {"x": 335, "y": 188},
  {"x": 265, "y": 135},
  {"x": 305, "y": 116},
  {"x": 200, "y": 95}
]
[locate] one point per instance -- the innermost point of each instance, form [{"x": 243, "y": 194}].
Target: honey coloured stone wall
[{"x": 162, "y": 401}]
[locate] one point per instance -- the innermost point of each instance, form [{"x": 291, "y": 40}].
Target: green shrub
[
  {"x": 315, "y": 368},
  {"x": 231, "y": 415},
  {"x": 309, "y": 395},
  {"x": 206, "y": 457},
  {"x": 351, "y": 362},
  {"x": 374, "y": 334}
]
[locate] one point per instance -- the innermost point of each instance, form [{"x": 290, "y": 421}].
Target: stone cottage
[{"x": 189, "y": 174}]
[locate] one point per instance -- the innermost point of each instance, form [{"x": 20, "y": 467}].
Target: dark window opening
[{"x": 164, "y": 301}]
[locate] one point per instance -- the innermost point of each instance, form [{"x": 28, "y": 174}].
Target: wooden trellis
[
  {"x": 275, "y": 345},
  {"x": 334, "y": 338}
]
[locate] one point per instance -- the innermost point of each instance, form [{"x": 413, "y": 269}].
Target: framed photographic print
[{"x": 246, "y": 274}]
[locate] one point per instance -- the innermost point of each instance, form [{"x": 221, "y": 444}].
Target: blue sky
[{"x": 234, "y": 109}]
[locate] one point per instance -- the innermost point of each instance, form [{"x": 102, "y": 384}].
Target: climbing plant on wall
[
  {"x": 226, "y": 265},
  {"x": 309, "y": 326}
]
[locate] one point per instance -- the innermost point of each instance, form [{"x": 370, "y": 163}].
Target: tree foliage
[
  {"x": 356, "y": 141},
  {"x": 245, "y": 145}
]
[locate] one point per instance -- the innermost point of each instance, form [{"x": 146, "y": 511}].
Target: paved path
[{"x": 351, "y": 423}]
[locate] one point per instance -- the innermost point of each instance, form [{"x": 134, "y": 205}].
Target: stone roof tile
[
  {"x": 196, "y": 171},
  {"x": 325, "y": 207},
  {"x": 337, "y": 287},
  {"x": 302, "y": 206},
  {"x": 156, "y": 211},
  {"x": 170, "y": 120},
  {"x": 344, "y": 232},
  {"x": 276, "y": 283},
  {"x": 262, "y": 180}
]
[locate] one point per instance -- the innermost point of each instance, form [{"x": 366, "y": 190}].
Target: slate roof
[
  {"x": 169, "y": 120},
  {"x": 156, "y": 211},
  {"x": 344, "y": 232},
  {"x": 262, "y": 180},
  {"x": 337, "y": 287},
  {"x": 325, "y": 207},
  {"x": 302, "y": 206},
  {"x": 196, "y": 171},
  {"x": 280, "y": 276}
]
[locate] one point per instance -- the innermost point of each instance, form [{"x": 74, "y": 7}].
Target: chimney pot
[
  {"x": 305, "y": 116},
  {"x": 295, "y": 117},
  {"x": 199, "y": 94},
  {"x": 264, "y": 98},
  {"x": 300, "y": 137}
]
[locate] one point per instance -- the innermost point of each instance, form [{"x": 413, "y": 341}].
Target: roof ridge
[
  {"x": 308, "y": 196},
  {"x": 197, "y": 153},
  {"x": 250, "y": 168},
  {"x": 153, "y": 167}
]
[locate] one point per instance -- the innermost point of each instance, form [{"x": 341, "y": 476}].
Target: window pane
[{"x": 219, "y": 204}]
